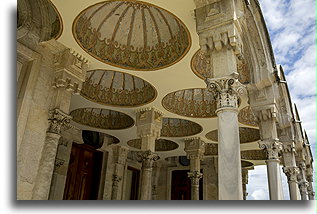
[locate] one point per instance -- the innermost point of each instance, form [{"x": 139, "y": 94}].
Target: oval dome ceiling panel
[
  {"x": 174, "y": 127},
  {"x": 117, "y": 89},
  {"x": 195, "y": 102},
  {"x": 246, "y": 135},
  {"x": 102, "y": 118},
  {"x": 132, "y": 34},
  {"x": 160, "y": 144}
]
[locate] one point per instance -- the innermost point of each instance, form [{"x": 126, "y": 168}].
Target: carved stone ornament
[
  {"x": 57, "y": 119},
  {"x": 272, "y": 147},
  {"x": 289, "y": 147},
  {"x": 132, "y": 34},
  {"x": 195, "y": 174},
  {"x": 116, "y": 179},
  {"x": 291, "y": 173},
  {"x": 147, "y": 158},
  {"x": 303, "y": 187},
  {"x": 59, "y": 162},
  {"x": 226, "y": 90},
  {"x": 201, "y": 65}
]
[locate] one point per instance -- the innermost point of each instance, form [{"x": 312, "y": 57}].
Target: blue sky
[{"x": 291, "y": 24}]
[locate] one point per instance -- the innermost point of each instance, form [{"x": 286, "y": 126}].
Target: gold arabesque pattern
[
  {"x": 160, "y": 144},
  {"x": 246, "y": 135},
  {"x": 102, "y": 118},
  {"x": 173, "y": 127},
  {"x": 195, "y": 102},
  {"x": 132, "y": 34},
  {"x": 247, "y": 117},
  {"x": 117, "y": 89}
]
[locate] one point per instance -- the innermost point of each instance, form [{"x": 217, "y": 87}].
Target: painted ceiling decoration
[
  {"x": 246, "y": 135},
  {"x": 254, "y": 155},
  {"x": 202, "y": 67},
  {"x": 160, "y": 144},
  {"x": 102, "y": 118},
  {"x": 132, "y": 34},
  {"x": 211, "y": 149},
  {"x": 247, "y": 117},
  {"x": 173, "y": 127},
  {"x": 195, "y": 102},
  {"x": 117, "y": 89},
  {"x": 246, "y": 164}
]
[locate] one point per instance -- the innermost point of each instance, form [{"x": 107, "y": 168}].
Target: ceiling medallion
[
  {"x": 202, "y": 67},
  {"x": 173, "y": 127},
  {"x": 102, "y": 118},
  {"x": 160, "y": 144},
  {"x": 254, "y": 155},
  {"x": 117, "y": 89},
  {"x": 247, "y": 117},
  {"x": 246, "y": 135},
  {"x": 195, "y": 102},
  {"x": 132, "y": 34}
]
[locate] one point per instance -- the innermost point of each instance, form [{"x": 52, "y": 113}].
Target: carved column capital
[
  {"x": 226, "y": 90},
  {"x": 57, "y": 119},
  {"x": 303, "y": 186},
  {"x": 289, "y": 147},
  {"x": 147, "y": 158},
  {"x": 149, "y": 123},
  {"x": 195, "y": 176},
  {"x": 116, "y": 179},
  {"x": 194, "y": 148},
  {"x": 291, "y": 173},
  {"x": 272, "y": 147}
]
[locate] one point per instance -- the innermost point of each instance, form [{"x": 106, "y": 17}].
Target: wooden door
[
  {"x": 181, "y": 186},
  {"x": 83, "y": 174}
]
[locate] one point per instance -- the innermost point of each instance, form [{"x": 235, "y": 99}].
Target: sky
[{"x": 291, "y": 25}]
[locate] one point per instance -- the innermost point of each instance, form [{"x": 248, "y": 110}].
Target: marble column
[
  {"x": 156, "y": 175},
  {"x": 290, "y": 169},
  {"x": 195, "y": 149},
  {"x": 302, "y": 182},
  {"x": 273, "y": 147},
  {"x": 226, "y": 91},
  {"x": 147, "y": 158},
  {"x": 149, "y": 125},
  {"x": 120, "y": 154},
  {"x": 56, "y": 119},
  {"x": 310, "y": 188}
]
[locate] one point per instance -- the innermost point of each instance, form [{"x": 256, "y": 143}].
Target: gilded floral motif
[
  {"x": 154, "y": 38},
  {"x": 173, "y": 127}
]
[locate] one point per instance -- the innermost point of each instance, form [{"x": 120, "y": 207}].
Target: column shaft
[
  {"x": 274, "y": 178},
  {"x": 42, "y": 186},
  {"x": 229, "y": 160}
]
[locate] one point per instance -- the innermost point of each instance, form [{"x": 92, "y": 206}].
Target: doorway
[
  {"x": 83, "y": 175},
  {"x": 181, "y": 186}
]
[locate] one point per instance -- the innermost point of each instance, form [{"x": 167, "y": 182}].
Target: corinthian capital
[
  {"x": 291, "y": 173},
  {"x": 272, "y": 147},
  {"x": 57, "y": 119},
  {"x": 195, "y": 176},
  {"x": 147, "y": 158},
  {"x": 226, "y": 90}
]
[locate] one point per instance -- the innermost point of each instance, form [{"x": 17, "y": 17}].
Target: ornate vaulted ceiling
[
  {"x": 142, "y": 54},
  {"x": 132, "y": 34},
  {"x": 161, "y": 145}
]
